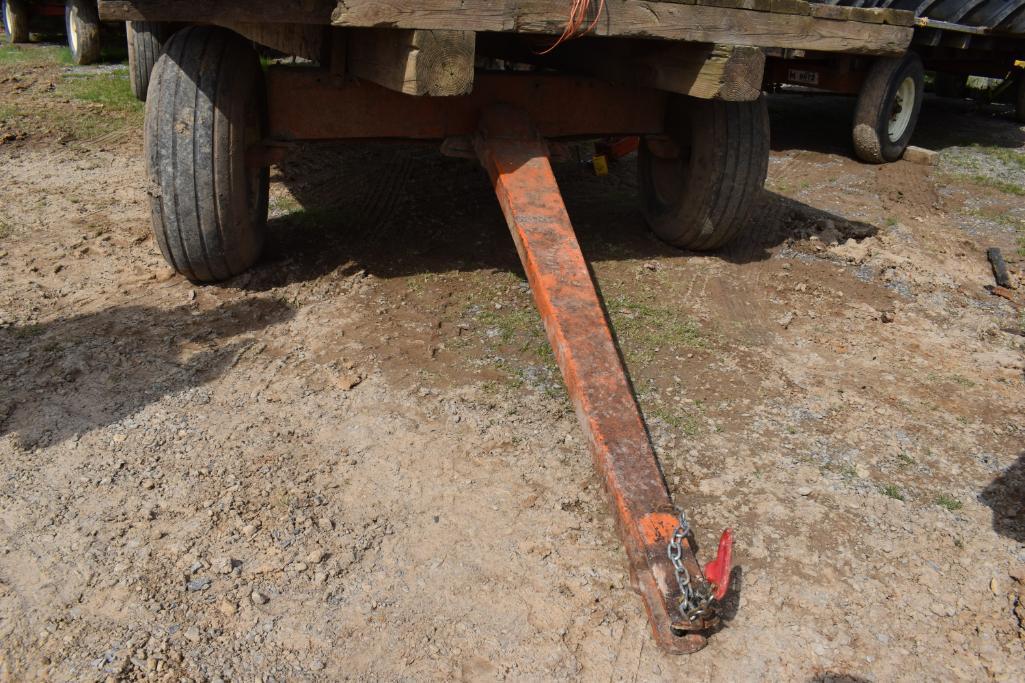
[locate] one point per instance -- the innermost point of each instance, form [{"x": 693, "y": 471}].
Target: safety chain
[{"x": 697, "y": 594}]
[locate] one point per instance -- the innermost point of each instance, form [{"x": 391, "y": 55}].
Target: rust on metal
[{"x": 516, "y": 158}]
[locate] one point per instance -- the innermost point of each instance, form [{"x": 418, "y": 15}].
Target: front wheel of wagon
[
  {"x": 888, "y": 107},
  {"x": 700, "y": 181},
  {"x": 205, "y": 108},
  {"x": 145, "y": 42},
  {"x": 82, "y": 22},
  {"x": 16, "y": 20}
]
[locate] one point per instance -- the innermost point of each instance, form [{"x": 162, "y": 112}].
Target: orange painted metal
[{"x": 516, "y": 158}]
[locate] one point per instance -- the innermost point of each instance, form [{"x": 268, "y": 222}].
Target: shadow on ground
[
  {"x": 822, "y": 123},
  {"x": 403, "y": 209},
  {"x": 1005, "y": 496},
  {"x": 73, "y": 375}
]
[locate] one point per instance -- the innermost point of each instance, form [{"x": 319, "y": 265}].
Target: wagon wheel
[
  {"x": 16, "y": 15},
  {"x": 700, "y": 182},
  {"x": 888, "y": 108},
  {"x": 205, "y": 108},
  {"x": 83, "y": 26},
  {"x": 145, "y": 43}
]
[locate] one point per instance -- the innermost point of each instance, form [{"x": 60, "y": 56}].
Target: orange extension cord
[{"x": 578, "y": 12}]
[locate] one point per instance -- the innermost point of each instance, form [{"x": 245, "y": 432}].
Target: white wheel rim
[
  {"x": 903, "y": 105},
  {"x": 73, "y": 31}
]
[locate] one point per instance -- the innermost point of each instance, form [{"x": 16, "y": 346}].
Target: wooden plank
[
  {"x": 633, "y": 18},
  {"x": 310, "y": 104},
  {"x": 637, "y": 18},
  {"x": 414, "y": 62},
  {"x": 222, "y": 12},
  {"x": 723, "y": 72},
  {"x": 301, "y": 40}
]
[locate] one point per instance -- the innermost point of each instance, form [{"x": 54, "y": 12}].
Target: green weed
[
  {"x": 948, "y": 502},
  {"x": 892, "y": 491}
]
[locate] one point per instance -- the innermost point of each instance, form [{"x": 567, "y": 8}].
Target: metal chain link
[{"x": 697, "y": 594}]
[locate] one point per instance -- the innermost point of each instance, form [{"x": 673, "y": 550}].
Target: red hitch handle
[{"x": 717, "y": 572}]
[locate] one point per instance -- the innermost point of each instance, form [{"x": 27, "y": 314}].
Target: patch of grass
[
  {"x": 994, "y": 183},
  {"x": 905, "y": 459},
  {"x": 685, "y": 422},
  {"x": 1007, "y": 156},
  {"x": 844, "y": 469},
  {"x": 948, "y": 502},
  {"x": 998, "y": 168},
  {"x": 112, "y": 90},
  {"x": 892, "y": 491},
  {"x": 644, "y": 328},
  {"x": 5, "y": 229},
  {"x": 34, "y": 54}
]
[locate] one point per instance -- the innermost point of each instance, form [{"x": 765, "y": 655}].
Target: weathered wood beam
[
  {"x": 753, "y": 23},
  {"x": 414, "y": 62},
  {"x": 723, "y": 72},
  {"x": 637, "y": 18},
  {"x": 301, "y": 40},
  {"x": 221, "y": 12}
]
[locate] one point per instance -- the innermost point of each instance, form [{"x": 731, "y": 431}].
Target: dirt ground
[{"x": 358, "y": 460}]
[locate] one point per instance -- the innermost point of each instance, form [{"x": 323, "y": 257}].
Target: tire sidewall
[{"x": 911, "y": 67}]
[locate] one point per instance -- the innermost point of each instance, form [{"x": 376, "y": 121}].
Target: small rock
[
  {"x": 316, "y": 556},
  {"x": 147, "y": 484},
  {"x": 325, "y": 524},
  {"x": 804, "y": 491},
  {"x": 259, "y": 598},
  {"x": 200, "y": 583},
  {"x": 787, "y": 319},
  {"x": 349, "y": 381},
  {"x": 221, "y": 565},
  {"x": 192, "y": 633},
  {"x": 227, "y": 608},
  {"x": 920, "y": 155},
  {"x": 886, "y": 316}
]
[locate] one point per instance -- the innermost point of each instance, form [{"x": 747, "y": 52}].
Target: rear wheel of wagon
[
  {"x": 700, "y": 182},
  {"x": 145, "y": 43},
  {"x": 205, "y": 108},
  {"x": 16, "y": 20},
  {"x": 888, "y": 107},
  {"x": 83, "y": 26}
]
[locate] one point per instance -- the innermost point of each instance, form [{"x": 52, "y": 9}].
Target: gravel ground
[{"x": 358, "y": 461}]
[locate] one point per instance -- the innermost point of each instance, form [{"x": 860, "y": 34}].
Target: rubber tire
[
  {"x": 84, "y": 18},
  {"x": 717, "y": 178},
  {"x": 950, "y": 86},
  {"x": 206, "y": 104},
  {"x": 145, "y": 43},
  {"x": 17, "y": 25},
  {"x": 872, "y": 142}
]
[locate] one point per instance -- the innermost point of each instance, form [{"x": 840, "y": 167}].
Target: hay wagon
[
  {"x": 507, "y": 83},
  {"x": 953, "y": 38}
]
